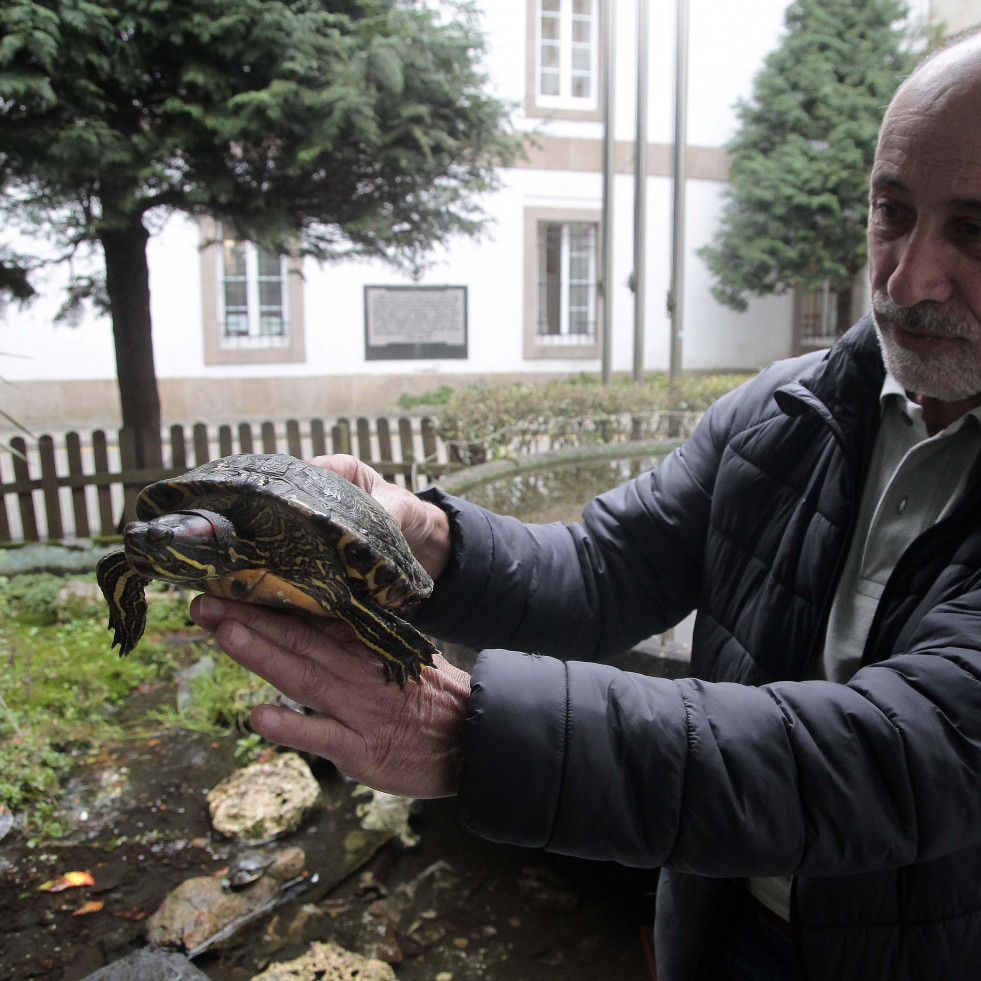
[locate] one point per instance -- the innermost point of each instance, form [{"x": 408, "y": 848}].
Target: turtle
[
  {"x": 247, "y": 867},
  {"x": 275, "y": 530}
]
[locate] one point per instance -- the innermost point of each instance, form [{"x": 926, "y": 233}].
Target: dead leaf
[
  {"x": 68, "y": 881},
  {"x": 92, "y": 906},
  {"x": 131, "y": 913}
]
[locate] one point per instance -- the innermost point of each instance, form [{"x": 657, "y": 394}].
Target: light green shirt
[{"x": 913, "y": 481}]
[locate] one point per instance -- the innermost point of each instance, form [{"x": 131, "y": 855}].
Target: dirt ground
[{"x": 482, "y": 911}]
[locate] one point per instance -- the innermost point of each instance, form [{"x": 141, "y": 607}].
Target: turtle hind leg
[
  {"x": 401, "y": 648},
  {"x": 124, "y": 591}
]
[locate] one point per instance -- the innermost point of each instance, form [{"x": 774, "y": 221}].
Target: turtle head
[{"x": 182, "y": 546}]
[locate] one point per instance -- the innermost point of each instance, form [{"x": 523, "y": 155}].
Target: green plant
[
  {"x": 249, "y": 746},
  {"x": 61, "y": 686},
  {"x": 481, "y": 421},
  {"x": 439, "y": 396},
  {"x": 32, "y": 596},
  {"x": 218, "y": 698}
]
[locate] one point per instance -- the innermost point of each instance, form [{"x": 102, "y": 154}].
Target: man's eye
[
  {"x": 885, "y": 211},
  {"x": 969, "y": 230}
]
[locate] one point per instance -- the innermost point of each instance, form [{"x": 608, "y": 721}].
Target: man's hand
[
  {"x": 425, "y": 526},
  {"x": 402, "y": 742}
]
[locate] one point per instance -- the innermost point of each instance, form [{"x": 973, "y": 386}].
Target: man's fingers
[
  {"x": 316, "y": 734},
  {"x": 299, "y": 635}
]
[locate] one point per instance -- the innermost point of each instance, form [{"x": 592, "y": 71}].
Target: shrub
[{"x": 486, "y": 420}]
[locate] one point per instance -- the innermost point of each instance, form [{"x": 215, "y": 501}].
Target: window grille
[
  {"x": 816, "y": 317},
  {"x": 566, "y": 311},
  {"x": 252, "y": 296},
  {"x": 567, "y": 53}
]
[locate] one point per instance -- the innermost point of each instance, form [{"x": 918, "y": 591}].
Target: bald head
[{"x": 950, "y": 72}]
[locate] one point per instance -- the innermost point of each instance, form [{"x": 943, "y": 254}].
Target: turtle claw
[{"x": 124, "y": 592}]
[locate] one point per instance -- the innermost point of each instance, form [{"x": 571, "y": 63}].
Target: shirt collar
[{"x": 893, "y": 397}]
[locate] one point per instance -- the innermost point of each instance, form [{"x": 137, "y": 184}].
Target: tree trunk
[
  {"x": 844, "y": 310},
  {"x": 128, "y": 286}
]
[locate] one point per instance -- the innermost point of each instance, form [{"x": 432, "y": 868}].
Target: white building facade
[{"x": 241, "y": 335}]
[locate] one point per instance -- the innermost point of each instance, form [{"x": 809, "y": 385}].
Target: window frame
[
  {"x": 561, "y": 106},
  {"x": 557, "y": 345},
  {"x": 816, "y": 306},
  {"x": 291, "y": 349}
]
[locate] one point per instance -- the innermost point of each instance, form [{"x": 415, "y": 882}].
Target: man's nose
[{"x": 922, "y": 270}]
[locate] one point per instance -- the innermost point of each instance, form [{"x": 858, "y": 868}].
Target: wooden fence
[{"x": 69, "y": 488}]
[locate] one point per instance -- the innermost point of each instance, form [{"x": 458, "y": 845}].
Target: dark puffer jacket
[{"x": 870, "y": 792}]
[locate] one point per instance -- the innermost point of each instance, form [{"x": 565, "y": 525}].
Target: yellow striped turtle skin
[{"x": 275, "y": 530}]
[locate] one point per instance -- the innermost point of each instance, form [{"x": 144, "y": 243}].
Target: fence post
[
  {"x": 340, "y": 436},
  {"x": 245, "y": 441},
  {"x": 25, "y": 499},
  {"x": 268, "y": 437},
  {"x": 294, "y": 445},
  {"x": 49, "y": 487},
  {"x": 178, "y": 448},
  {"x": 80, "y": 511},
  {"x": 318, "y": 442},
  {"x": 129, "y": 461},
  {"x": 202, "y": 451}
]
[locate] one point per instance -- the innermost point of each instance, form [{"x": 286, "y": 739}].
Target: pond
[{"x": 558, "y": 493}]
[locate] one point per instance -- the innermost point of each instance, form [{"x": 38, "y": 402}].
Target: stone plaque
[{"x": 425, "y": 322}]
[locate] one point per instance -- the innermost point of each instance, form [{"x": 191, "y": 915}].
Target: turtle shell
[{"x": 289, "y": 510}]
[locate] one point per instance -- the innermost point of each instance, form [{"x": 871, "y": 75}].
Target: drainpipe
[
  {"x": 677, "y": 291},
  {"x": 606, "y": 222},
  {"x": 640, "y": 188}
]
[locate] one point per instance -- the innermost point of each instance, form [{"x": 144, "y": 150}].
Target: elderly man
[{"x": 814, "y": 798}]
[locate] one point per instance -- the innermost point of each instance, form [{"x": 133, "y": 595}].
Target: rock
[
  {"x": 387, "y": 812},
  {"x": 199, "y": 908},
  {"x": 265, "y": 800},
  {"x": 328, "y": 962},
  {"x": 149, "y": 965}
]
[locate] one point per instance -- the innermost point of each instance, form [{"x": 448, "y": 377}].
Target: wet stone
[
  {"x": 149, "y": 965},
  {"x": 202, "y": 907},
  {"x": 387, "y": 812},
  {"x": 328, "y": 962},
  {"x": 264, "y": 801}
]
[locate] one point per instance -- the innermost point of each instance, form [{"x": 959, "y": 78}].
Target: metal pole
[
  {"x": 606, "y": 223},
  {"x": 640, "y": 188},
  {"x": 677, "y": 293}
]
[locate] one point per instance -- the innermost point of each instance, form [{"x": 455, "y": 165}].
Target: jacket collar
[{"x": 844, "y": 389}]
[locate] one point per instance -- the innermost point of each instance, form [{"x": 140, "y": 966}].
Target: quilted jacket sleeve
[{"x": 724, "y": 779}]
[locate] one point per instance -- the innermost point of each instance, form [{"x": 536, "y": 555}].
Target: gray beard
[{"x": 949, "y": 377}]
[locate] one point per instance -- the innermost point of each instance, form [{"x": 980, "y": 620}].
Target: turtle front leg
[
  {"x": 401, "y": 648},
  {"x": 124, "y": 591}
]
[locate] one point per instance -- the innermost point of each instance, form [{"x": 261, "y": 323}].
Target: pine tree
[
  {"x": 354, "y": 127},
  {"x": 797, "y": 202}
]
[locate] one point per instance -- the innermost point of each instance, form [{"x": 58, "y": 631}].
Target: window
[
  {"x": 566, "y": 283},
  {"x": 252, "y": 301},
  {"x": 251, "y": 296},
  {"x": 563, "y": 69},
  {"x": 561, "y": 283},
  {"x": 815, "y": 318}
]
